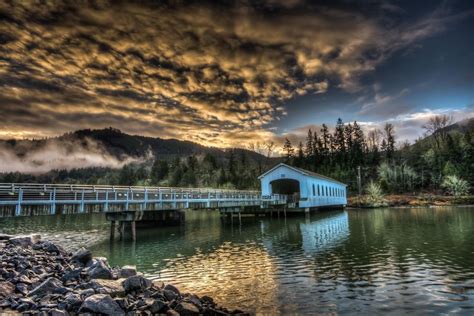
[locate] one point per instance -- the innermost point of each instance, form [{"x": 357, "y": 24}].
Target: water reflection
[{"x": 390, "y": 261}]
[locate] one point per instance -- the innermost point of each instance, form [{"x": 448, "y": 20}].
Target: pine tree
[
  {"x": 300, "y": 155},
  {"x": 309, "y": 149},
  {"x": 288, "y": 150},
  {"x": 159, "y": 171}
]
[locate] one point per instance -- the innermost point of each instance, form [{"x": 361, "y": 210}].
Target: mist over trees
[{"x": 441, "y": 161}]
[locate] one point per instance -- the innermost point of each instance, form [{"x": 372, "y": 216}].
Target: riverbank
[
  {"x": 41, "y": 278},
  {"x": 411, "y": 200}
]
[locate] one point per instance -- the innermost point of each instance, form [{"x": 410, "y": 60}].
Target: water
[{"x": 390, "y": 261}]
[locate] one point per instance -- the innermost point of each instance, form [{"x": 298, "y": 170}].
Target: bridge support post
[
  {"x": 134, "y": 230},
  {"x": 122, "y": 229},
  {"x": 112, "y": 230}
]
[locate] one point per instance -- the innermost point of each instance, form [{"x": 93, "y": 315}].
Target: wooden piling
[
  {"x": 112, "y": 230},
  {"x": 134, "y": 231}
]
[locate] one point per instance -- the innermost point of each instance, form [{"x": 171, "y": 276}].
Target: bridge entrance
[{"x": 289, "y": 187}]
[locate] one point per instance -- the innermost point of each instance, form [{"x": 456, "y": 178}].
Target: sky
[{"x": 232, "y": 73}]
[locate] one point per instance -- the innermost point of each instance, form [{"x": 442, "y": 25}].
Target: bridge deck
[{"x": 25, "y": 199}]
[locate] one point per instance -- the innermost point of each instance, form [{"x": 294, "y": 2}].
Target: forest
[{"x": 441, "y": 161}]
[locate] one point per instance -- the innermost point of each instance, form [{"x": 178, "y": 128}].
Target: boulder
[
  {"x": 73, "y": 301},
  {"x": 187, "y": 309},
  {"x": 136, "y": 283},
  {"x": 112, "y": 287},
  {"x": 101, "y": 304},
  {"x": 6, "y": 289},
  {"x": 158, "y": 306},
  {"x": 56, "y": 312},
  {"x": 50, "y": 285},
  {"x": 172, "y": 288},
  {"x": 128, "y": 271},
  {"x": 100, "y": 270},
  {"x": 49, "y": 247},
  {"x": 25, "y": 240},
  {"x": 82, "y": 256}
]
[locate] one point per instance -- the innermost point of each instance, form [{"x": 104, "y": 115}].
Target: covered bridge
[{"x": 304, "y": 188}]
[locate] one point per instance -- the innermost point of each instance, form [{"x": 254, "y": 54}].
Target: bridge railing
[{"x": 21, "y": 195}]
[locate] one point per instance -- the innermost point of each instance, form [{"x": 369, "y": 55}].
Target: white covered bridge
[{"x": 305, "y": 189}]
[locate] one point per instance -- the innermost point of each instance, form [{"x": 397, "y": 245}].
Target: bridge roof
[{"x": 303, "y": 172}]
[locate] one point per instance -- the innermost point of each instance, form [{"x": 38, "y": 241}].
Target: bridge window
[
  {"x": 314, "y": 191},
  {"x": 319, "y": 193}
]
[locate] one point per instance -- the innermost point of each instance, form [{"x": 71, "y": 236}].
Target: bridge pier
[{"x": 129, "y": 220}]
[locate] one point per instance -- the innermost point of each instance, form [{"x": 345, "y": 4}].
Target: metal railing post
[
  {"x": 18, "y": 205},
  {"x": 53, "y": 201},
  {"x": 81, "y": 209},
  {"x": 145, "y": 199},
  {"x": 106, "y": 204}
]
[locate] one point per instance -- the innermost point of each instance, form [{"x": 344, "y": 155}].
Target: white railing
[{"x": 21, "y": 195}]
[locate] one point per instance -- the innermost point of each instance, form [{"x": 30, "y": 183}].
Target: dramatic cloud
[{"x": 217, "y": 75}]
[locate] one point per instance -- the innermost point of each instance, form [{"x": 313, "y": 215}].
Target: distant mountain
[{"x": 107, "y": 147}]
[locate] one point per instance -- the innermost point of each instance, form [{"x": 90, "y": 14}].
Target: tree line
[
  {"x": 396, "y": 167},
  {"x": 442, "y": 158}
]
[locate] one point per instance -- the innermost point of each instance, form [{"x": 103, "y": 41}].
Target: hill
[{"x": 107, "y": 147}]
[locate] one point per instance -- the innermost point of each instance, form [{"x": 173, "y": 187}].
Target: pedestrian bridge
[{"x": 28, "y": 199}]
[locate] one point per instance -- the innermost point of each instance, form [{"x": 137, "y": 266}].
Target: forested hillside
[{"x": 444, "y": 155}]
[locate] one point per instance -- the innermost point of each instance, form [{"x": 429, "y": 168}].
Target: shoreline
[
  {"x": 411, "y": 201},
  {"x": 38, "y": 277}
]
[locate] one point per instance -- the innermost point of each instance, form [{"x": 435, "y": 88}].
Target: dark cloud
[{"x": 190, "y": 70}]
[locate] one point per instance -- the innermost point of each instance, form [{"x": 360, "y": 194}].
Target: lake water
[{"x": 390, "y": 261}]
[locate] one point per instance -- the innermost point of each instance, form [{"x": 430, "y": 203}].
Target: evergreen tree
[
  {"x": 159, "y": 171},
  {"x": 309, "y": 148},
  {"x": 288, "y": 150}
]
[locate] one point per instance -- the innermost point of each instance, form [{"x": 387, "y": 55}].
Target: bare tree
[
  {"x": 373, "y": 139},
  {"x": 436, "y": 127}
]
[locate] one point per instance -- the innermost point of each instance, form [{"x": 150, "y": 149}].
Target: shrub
[
  {"x": 375, "y": 196},
  {"x": 455, "y": 186}
]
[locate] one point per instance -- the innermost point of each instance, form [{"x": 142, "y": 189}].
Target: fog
[{"x": 34, "y": 158}]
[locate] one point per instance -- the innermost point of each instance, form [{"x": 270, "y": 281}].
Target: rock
[
  {"x": 170, "y": 295},
  {"x": 158, "y": 284},
  {"x": 82, "y": 256},
  {"x": 171, "y": 312},
  {"x": 22, "y": 288},
  {"x": 6, "y": 289},
  {"x": 128, "y": 271},
  {"x": 208, "y": 300},
  {"x": 100, "y": 271},
  {"x": 112, "y": 287},
  {"x": 170, "y": 287},
  {"x": 25, "y": 240},
  {"x": 56, "y": 312},
  {"x": 51, "y": 285},
  {"x": 5, "y": 236},
  {"x": 122, "y": 302},
  {"x": 158, "y": 306},
  {"x": 73, "y": 301},
  {"x": 187, "y": 309},
  {"x": 136, "y": 283},
  {"x": 50, "y": 247},
  {"x": 73, "y": 274},
  {"x": 101, "y": 304},
  {"x": 87, "y": 292}
]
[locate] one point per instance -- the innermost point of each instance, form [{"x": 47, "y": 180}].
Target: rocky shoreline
[{"x": 41, "y": 278}]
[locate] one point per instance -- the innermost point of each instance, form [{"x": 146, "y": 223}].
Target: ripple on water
[{"x": 356, "y": 262}]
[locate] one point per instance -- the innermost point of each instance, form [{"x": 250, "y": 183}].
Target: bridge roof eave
[{"x": 303, "y": 172}]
